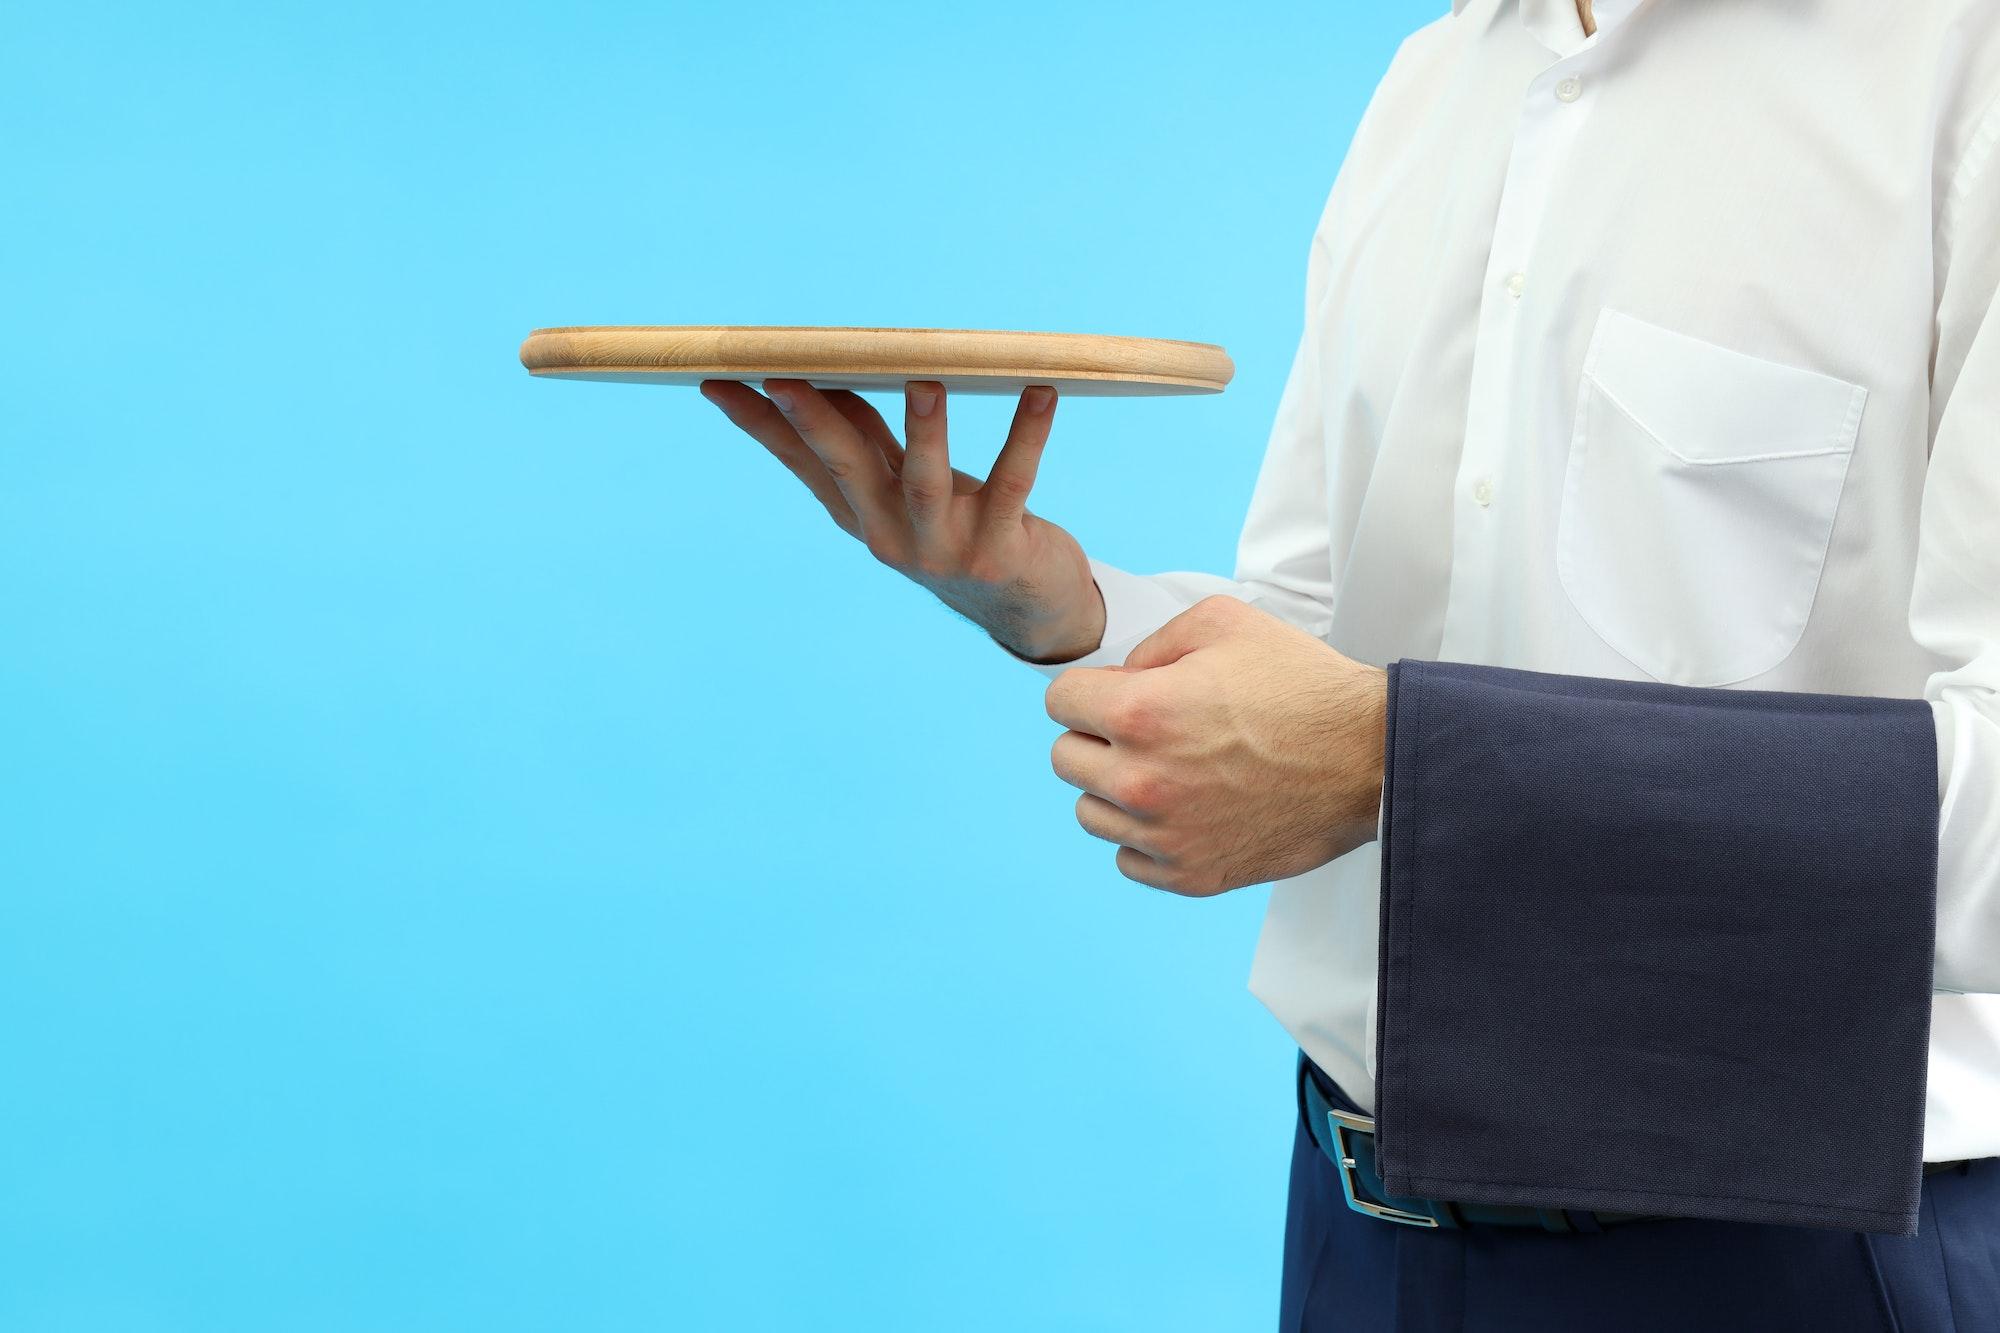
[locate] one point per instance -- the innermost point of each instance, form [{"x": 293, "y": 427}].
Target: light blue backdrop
[{"x": 482, "y": 853}]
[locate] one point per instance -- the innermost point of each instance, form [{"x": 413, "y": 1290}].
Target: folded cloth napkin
[{"x": 1655, "y": 948}]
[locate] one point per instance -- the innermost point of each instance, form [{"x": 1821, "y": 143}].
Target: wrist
[
  {"x": 1064, "y": 639},
  {"x": 1358, "y": 812}
]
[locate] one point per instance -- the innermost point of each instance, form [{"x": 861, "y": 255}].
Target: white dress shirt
[{"x": 1668, "y": 353}]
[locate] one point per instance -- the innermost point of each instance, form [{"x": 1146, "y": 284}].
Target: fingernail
[
  {"x": 1039, "y": 398},
  {"x": 923, "y": 401},
  {"x": 782, "y": 399}
]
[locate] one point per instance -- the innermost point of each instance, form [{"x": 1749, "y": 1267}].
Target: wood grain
[{"x": 966, "y": 360}]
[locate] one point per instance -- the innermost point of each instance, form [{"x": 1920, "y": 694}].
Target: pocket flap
[{"x": 1746, "y": 409}]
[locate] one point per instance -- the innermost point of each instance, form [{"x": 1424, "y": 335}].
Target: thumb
[{"x": 1191, "y": 629}]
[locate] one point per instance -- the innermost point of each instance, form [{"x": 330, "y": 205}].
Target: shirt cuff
[
  {"x": 1654, "y": 948},
  {"x": 1134, "y": 606}
]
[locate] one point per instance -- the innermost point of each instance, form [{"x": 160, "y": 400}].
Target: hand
[
  {"x": 1232, "y": 748},
  {"x": 974, "y": 545}
]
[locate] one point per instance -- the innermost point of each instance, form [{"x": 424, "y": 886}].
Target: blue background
[{"x": 486, "y": 853}]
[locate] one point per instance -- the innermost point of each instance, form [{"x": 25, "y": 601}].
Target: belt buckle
[{"x": 1341, "y": 1122}]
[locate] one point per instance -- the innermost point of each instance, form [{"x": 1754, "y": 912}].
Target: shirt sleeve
[
  {"x": 1955, "y": 597},
  {"x": 1654, "y": 948}
]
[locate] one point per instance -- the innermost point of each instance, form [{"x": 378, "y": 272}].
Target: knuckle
[
  {"x": 1086, "y": 813},
  {"x": 1009, "y": 488},
  {"x": 1135, "y": 717},
  {"x": 1062, "y": 761},
  {"x": 1140, "y": 790},
  {"x": 921, "y": 494},
  {"x": 1137, "y": 867}
]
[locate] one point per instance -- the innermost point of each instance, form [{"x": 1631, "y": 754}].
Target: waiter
[{"x": 1609, "y": 681}]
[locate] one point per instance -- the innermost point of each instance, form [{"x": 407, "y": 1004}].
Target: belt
[{"x": 1348, "y": 1139}]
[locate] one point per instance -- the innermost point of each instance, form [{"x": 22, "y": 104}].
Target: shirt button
[
  {"x": 1569, "y": 90},
  {"x": 1516, "y": 284},
  {"x": 1482, "y": 491}
]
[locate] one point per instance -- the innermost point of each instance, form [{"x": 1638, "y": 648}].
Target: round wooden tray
[{"x": 965, "y": 360}]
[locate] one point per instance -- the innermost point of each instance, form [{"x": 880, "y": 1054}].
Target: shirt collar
[{"x": 1555, "y": 23}]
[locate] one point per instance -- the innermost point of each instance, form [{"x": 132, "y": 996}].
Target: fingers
[
  {"x": 1101, "y": 819},
  {"x": 1092, "y": 764},
  {"x": 1104, "y": 701},
  {"x": 856, "y": 466},
  {"x": 1136, "y": 865},
  {"x": 896, "y": 497},
  {"x": 871, "y": 424},
  {"x": 1141, "y": 855},
  {"x": 927, "y": 470},
  {"x": 861, "y": 414},
  {"x": 1203, "y": 623},
  {"x": 760, "y": 419},
  {"x": 1013, "y": 474},
  {"x": 1084, "y": 761}
]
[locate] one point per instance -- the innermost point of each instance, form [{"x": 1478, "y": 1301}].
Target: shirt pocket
[{"x": 1698, "y": 500}]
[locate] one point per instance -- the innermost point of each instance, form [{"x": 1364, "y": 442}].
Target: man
[{"x": 1610, "y": 677}]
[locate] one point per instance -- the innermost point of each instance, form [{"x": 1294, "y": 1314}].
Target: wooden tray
[{"x": 965, "y": 360}]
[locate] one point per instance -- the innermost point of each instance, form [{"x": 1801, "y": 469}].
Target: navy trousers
[{"x": 1347, "y": 1271}]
